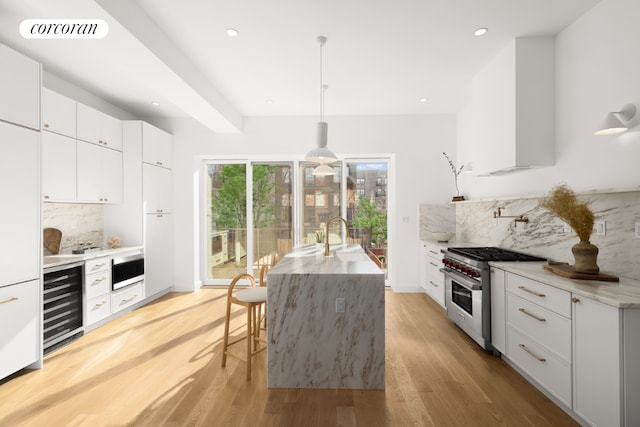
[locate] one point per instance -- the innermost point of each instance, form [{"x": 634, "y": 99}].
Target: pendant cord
[{"x": 321, "y": 88}]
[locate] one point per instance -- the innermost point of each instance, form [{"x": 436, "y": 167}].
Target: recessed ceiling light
[
  {"x": 155, "y": 104},
  {"x": 232, "y": 32},
  {"x": 481, "y": 31},
  {"x": 269, "y": 101},
  {"x": 423, "y": 99}
]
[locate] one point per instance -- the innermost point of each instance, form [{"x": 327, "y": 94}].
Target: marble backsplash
[
  {"x": 436, "y": 218},
  {"x": 79, "y": 223},
  {"x": 544, "y": 234}
]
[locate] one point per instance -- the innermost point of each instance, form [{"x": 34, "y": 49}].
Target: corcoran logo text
[{"x": 63, "y": 28}]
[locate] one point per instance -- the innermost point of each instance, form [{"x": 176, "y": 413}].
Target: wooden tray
[{"x": 566, "y": 270}]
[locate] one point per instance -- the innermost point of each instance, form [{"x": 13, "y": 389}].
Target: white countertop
[
  {"x": 69, "y": 258},
  {"x": 622, "y": 294},
  {"x": 310, "y": 259}
]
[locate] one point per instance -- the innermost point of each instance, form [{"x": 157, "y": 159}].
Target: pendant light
[{"x": 321, "y": 154}]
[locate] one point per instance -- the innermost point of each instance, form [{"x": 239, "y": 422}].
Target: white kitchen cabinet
[
  {"x": 98, "y": 128},
  {"x": 58, "y": 167},
  {"x": 99, "y": 174},
  {"x": 20, "y": 229},
  {"x": 97, "y": 290},
  {"x": 498, "y": 310},
  {"x": 605, "y": 366},
  {"x": 538, "y": 318},
  {"x": 126, "y": 297},
  {"x": 58, "y": 113},
  {"x": 19, "y": 88},
  {"x": 157, "y": 189},
  {"x": 434, "y": 277},
  {"x": 157, "y": 146},
  {"x": 19, "y": 317},
  {"x": 513, "y": 105},
  {"x": 158, "y": 253},
  {"x": 423, "y": 265}
]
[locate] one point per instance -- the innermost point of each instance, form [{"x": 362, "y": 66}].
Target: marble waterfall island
[{"x": 309, "y": 343}]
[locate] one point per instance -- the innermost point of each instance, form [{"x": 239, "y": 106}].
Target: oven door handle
[{"x": 461, "y": 279}]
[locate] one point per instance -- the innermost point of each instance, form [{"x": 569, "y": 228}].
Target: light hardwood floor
[{"x": 160, "y": 366}]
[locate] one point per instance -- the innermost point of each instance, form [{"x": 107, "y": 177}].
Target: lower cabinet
[
  {"x": 19, "y": 317},
  {"x": 582, "y": 352},
  {"x": 433, "y": 278},
  {"x": 158, "y": 254},
  {"x": 127, "y": 297},
  {"x": 97, "y": 288},
  {"x": 606, "y": 365},
  {"x": 498, "y": 310}
]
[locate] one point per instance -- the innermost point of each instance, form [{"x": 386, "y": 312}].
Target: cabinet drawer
[
  {"x": 96, "y": 284},
  {"x": 433, "y": 272},
  {"x": 19, "y": 320},
  {"x": 547, "y": 296},
  {"x": 97, "y": 264},
  {"x": 126, "y": 297},
  {"x": 98, "y": 308},
  {"x": 542, "y": 365},
  {"x": 547, "y": 328},
  {"x": 434, "y": 252}
]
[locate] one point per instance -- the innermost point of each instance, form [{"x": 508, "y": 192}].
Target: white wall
[
  {"x": 416, "y": 141},
  {"x": 597, "y": 71}
]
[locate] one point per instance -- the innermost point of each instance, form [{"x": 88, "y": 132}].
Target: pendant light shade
[
  {"x": 321, "y": 154},
  {"x": 323, "y": 170}
]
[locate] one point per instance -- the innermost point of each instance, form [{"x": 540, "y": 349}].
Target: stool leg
[
  {"x": 226, "y": 334},
  {"x": 249, "y": 340}
]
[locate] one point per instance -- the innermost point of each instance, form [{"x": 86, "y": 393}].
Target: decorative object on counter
[
  {"x": 456, "y": 172},
  {"x": 517, "y": 218},
  {"x": 563, "y": 202},
  {"x": 51, "y": 238},
  {"x": 566, "y": 270},
  {"x": 443, "y": 236},
  {"x": 114, "y": 242}
]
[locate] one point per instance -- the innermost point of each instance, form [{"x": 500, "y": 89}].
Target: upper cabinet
[
  {"x": 513, "y": 108},
  {"x": 20, "y": 83},
  {"x": 58, "y": 113},
  {"x": 99, "y": 174},
  {"x": 98, "y": 128},
  {"x": 58, "y": 167},
  {"x": 156, "y": 146}
]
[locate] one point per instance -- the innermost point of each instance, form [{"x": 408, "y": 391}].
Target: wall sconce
[{"x": 617, "y": 121}]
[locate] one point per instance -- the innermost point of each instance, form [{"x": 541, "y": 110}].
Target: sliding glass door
[
  {"x": 229, "y": 212},
  {"x": 258, "y": 210}
]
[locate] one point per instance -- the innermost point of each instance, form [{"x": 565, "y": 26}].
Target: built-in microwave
[{"x": 127, "y": 270}]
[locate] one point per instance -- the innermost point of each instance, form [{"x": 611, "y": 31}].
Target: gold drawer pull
[
  {"x": 8, "y": 300},
  {"x": 159, "y": 163},
  {"x": 540, "y": 319},
  {"x": 46, "y": 125},
  {"x": 575, "y": 300},
  {"x": 98, "y": 265},
  {"x": 433, "y": 252},
  {"x": 433, "y": 263},
  {"x": 100, "y": 304},
  {"x": 540, "y": 359},
  {"x": 532, "y": 292},
  {"x": 98, "y": 281},
  {"x": 124, "y": 301},
  {"x": 434, "y": 284}
]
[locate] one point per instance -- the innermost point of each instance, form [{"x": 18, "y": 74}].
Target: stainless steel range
[{"x": 468, "y": 287}]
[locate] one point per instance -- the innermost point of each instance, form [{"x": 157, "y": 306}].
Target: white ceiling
[{"x": 381, "y": 56}]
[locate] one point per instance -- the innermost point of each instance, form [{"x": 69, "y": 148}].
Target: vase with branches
[
  {"x": 456, "y": 172},
  {"x": 564, "y": 202}
]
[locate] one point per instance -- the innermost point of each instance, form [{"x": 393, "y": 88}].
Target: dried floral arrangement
[
  {"x": 456, "y": 172},
  {"x": 563, "y": 202}
]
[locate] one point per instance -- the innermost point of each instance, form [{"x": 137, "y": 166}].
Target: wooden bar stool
[{"x": 252, "y": 298}]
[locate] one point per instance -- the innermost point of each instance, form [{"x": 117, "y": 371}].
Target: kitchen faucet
[{"x": 326, "y": 234}]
